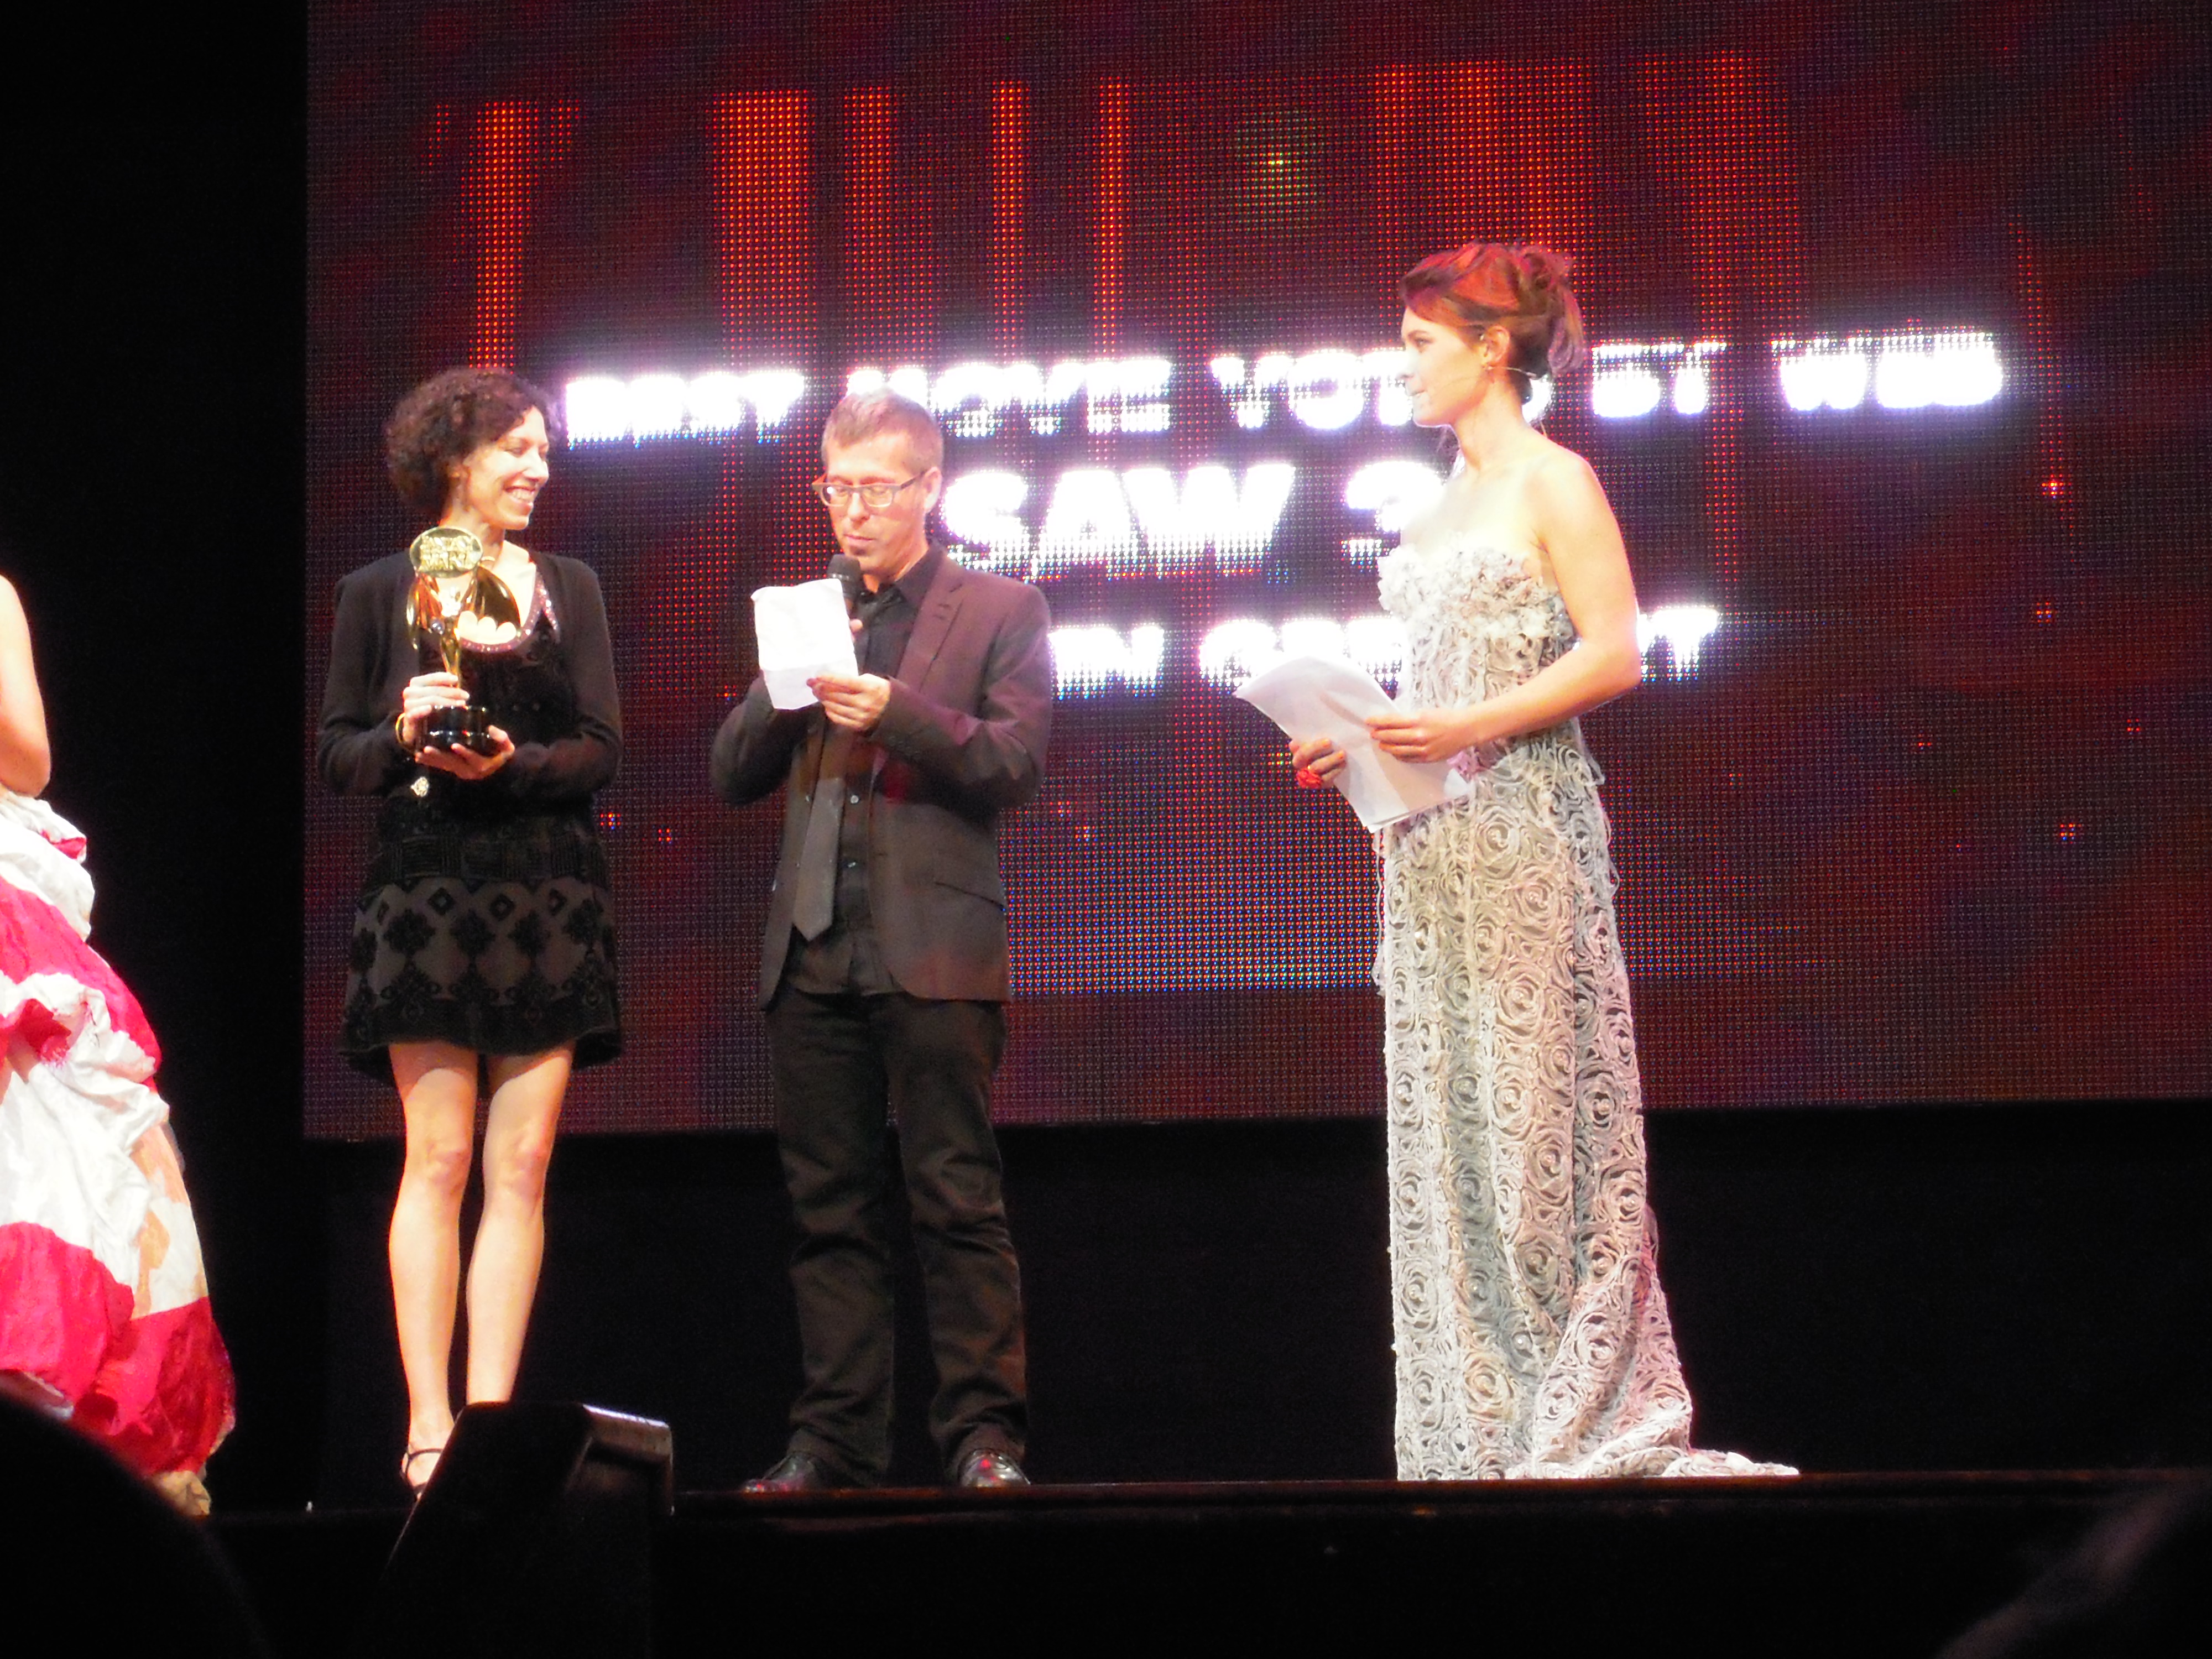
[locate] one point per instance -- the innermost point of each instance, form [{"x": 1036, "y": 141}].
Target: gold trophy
[{"x": 453, "y": 579}]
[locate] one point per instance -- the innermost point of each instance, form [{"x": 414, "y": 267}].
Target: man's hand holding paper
[{"x": 854, "y": 702}]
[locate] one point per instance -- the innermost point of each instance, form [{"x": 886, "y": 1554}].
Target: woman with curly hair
[
  {"x": 1532, "y": 1334},
  {"x": 483, "y": 939}
]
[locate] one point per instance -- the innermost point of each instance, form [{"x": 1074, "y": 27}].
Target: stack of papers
[
  {"x": 1330, "y": 697},
  {"x": 802, "y": 631}
]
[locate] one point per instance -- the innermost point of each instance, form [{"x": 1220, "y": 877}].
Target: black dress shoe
[
  {"x": 987, "y": 1470},
  {"x": 799, "y": 1470}
]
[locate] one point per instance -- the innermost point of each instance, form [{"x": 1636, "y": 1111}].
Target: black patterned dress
[{"x": 484, "y": 919}]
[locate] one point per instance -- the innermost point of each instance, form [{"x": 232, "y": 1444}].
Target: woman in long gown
[
  {"x": 483, "y": 936},
  {"x": 104, "y": 1316},
  {"x": 1532, "y": 1337}
]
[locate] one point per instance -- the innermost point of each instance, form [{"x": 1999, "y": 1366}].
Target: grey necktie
[
  {"x": 814, "y": 892},
  {"x": 814, "y": 898}
]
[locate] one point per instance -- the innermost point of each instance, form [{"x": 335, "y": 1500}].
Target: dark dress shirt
[{"x": 847, "y": 957}]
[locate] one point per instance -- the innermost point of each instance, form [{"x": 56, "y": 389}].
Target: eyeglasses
[{"x": 873, "y": 496}]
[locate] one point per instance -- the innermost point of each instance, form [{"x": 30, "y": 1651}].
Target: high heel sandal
[{"x": 407, "y": 1467}]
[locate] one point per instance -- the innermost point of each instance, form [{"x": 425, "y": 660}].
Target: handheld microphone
[{"x": 846, "y": 570}]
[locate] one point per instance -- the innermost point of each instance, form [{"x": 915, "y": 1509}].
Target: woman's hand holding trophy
[{"x": 454, "y": 580}]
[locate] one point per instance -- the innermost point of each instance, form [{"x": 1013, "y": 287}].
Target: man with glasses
[{"x": 884, "y": 964}]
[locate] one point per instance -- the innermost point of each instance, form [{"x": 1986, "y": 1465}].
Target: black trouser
[{"x": 843, "y": 1066}]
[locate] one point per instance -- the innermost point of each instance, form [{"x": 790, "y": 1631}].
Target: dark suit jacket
[{"x": 962, "y": 738}]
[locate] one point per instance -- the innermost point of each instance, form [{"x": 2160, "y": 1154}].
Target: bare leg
[
  {"x": 525, "y": 1109},
  {"x": 438, "y": 1093}
]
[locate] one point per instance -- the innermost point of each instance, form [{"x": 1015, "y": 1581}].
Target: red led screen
[{"x": 1897, "y": 395}]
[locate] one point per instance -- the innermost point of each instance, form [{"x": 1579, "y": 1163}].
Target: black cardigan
[{"x": 372, "y": 656}]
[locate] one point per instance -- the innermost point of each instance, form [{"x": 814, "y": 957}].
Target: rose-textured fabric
[
  {"x": 103, "y": 1300},
  {"x": 1532, "y": 1337}
]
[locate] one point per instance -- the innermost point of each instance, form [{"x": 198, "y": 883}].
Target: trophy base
[{"x": 459, "y": 728}]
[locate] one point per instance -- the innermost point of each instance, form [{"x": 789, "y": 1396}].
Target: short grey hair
[{"x": 860, "y": 416}]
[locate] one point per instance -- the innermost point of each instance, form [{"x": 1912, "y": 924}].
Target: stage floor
[{"x": 1824, "y": 1564}]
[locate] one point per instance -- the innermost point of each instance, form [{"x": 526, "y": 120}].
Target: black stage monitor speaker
[{"x": 535, "y": 1537}]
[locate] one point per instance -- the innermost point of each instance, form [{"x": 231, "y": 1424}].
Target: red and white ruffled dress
[{"x": 103, "y": 1300}]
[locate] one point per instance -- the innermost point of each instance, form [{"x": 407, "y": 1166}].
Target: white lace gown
[{"x": 1532, "y": 1336}]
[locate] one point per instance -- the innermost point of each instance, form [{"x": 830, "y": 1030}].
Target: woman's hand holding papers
[
  {"x": 1427, "y": 735},
  {"x": 1424, "y": 735},
  {"x": 1318, "y": 759}
]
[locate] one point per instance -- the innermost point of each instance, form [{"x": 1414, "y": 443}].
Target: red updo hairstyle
[{"x": 1523, "y": 289}]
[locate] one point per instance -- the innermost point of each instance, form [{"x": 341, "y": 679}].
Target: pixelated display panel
[{"x": 1886, "y": 393}]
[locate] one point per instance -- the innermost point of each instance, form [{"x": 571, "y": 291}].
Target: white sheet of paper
[
  {"x": 802, "y": 631},
  {"x": 1330, "y": 697}
]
